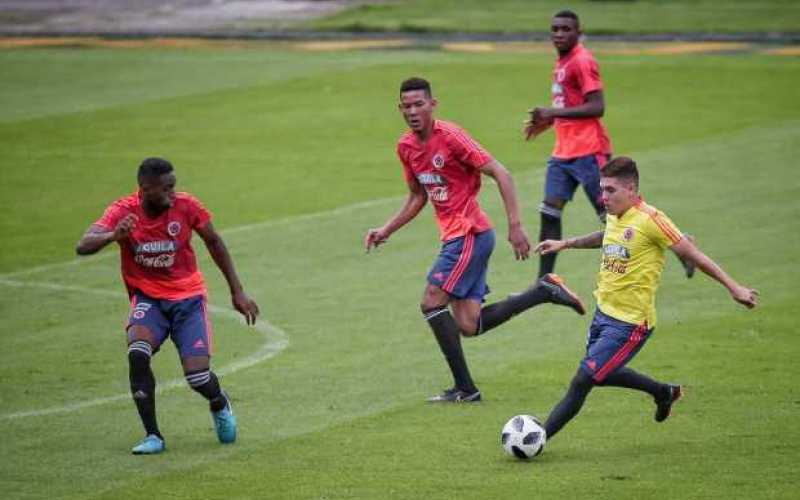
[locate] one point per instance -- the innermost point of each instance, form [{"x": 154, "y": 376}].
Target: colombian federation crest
[
  {"x": 173, "y": 228},
  {"x": 627, "y": 235},
  {"x": 438, "y": 161}
]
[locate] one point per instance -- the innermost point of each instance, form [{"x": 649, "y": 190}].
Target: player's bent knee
[
  {"x": 141, "y": 333},
  {"x": 195, "y": 363}
]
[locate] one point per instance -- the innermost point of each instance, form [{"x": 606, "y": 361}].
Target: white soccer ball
[{"x": 523, "y": 437}]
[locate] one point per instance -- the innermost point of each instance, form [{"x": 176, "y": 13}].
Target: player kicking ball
[
  {"x": 443, "y": 164},
  {"x": 633, "y": 244},
  {"x": 153, "y": 228}
]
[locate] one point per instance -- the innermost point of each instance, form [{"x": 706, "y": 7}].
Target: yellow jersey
[{"x": 633, "y": 258}]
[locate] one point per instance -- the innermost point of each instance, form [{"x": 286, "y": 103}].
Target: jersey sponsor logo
[
  {"x": 438, "y": 161},
  {"x": 617, "y": 251},
  {"x": 156, "y": 246},
  {"x": 438, "y": 193},
  {"x": 174, "y": 228},
  {"x": 627, "y": 235},
  {"x": 427, "y": 179}
]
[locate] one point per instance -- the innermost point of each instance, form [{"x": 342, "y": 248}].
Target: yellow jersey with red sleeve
[{"x": 633, "y": 258}]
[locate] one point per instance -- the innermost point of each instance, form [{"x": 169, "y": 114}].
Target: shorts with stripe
[
  {"x": 185, "y": 321},
  {"x": 460, "y": 269},
  {"x": 611, "y": 344}
]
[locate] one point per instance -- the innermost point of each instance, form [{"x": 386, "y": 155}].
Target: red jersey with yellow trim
[
  {"x": 157, "y": 256},
  {"x": 574, "y": 76},
  {"x": 448, "y": 166}
]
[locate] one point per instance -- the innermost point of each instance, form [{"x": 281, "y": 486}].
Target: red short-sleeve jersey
[
  {"x": 448, "y": 166},
  {"x": 574, "y": 76},
  {"x": 157, "y": 257}
]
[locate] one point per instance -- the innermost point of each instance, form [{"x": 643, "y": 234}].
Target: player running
[
  {"x": 443, "y": 164},
  {"x": 153, "y": 228},
  {"x": 582, "y": 144},
  {"x": 633, "y": 243}
]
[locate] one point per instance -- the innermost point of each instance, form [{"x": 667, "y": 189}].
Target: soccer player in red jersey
[
  {"x": 153, "y": 228},
  {"x": 582, "y": 144},
  {"x": 443, "y": 164}
]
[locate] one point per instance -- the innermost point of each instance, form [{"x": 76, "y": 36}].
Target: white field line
[
  {"x": 232, "y": 230},
  {"x": 270, "y": 348}
]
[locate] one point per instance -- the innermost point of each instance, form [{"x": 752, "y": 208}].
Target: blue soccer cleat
[
  {"x": 225, "y": 423},
  {"x": 150, "y": 445}
]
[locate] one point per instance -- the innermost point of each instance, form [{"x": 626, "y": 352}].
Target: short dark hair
[
  {"x": 621, "y": 167},
  {"x": 416, "y": 83},
  {"x": 568, "y": 14},
  {"x": 154, "y": 167}
]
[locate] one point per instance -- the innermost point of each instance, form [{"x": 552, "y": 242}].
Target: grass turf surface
[
  {"x": 269, "y": 137},
  {"x": 606, "y": 17}
]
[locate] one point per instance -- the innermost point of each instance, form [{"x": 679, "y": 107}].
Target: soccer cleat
[
  {"x": 664, "y": 407},
  {"x": 150, "y": 445},
  {"x": 560, "y": 294},
  {"x": 688, "y": 266},
  {"x": 456, "y": 395},
  {"x": 225, "y": 423}
]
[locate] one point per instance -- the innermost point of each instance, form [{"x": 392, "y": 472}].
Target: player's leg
[
  {"x": 447, "y": 334},
  {"x": 559, "y": 187},
  {"x": 447, "y": 278},
  {"x": 663, "y": 394},
  {"x": 147, "y": 329},
  {"x": 193, "y": 337},
  {"x": 569, "y": 406},
  {"x": 549, "y": 289},
  {"x": 587, "y": 172}
]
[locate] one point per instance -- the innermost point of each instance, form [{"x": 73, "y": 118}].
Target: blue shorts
[
  {"x": 611, "y": 344},
  {"x": 563, "y": 177},
  {"x": 460, "y": 269},
  {"x": 186, "y": 321}
]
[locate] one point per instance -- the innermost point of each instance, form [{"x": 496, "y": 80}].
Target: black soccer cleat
[
  {"x": 664, "y": 406},
  {"x": 560, "y": 294},
  {"x": 456, "y": 395}
]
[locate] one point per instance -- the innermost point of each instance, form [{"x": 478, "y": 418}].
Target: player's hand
[
  {"x": 748, "y": 297},
  {"x": 550, "y": 246},
  {"x": 519, "y": 242},
  {"x": 246, "y": 306},
  {"x": 124, "y": 227},
  {"x": 374, "y": 238},
  {"x": 537, "y": 123}
]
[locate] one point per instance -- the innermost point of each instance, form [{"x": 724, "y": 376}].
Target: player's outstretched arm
[
  {"x": 686, "y": 249},
  {"x": 219, "y": 252},
  {"x": 516, "y": 233},
  {"x": 97, "y": 237},
  {"x": 591, "y": 240},
  {"x": 414, "y": 202}
]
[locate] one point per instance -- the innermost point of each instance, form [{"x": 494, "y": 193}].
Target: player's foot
[
  {"x": 664, "y": 406},
  {"x": 456, "y": 395},
  {"x": 150, "y": 445},
  {"x": 560, "y": 294},
  {"x": 225, "y": 423},
  {"x": 688, "y": 266}
]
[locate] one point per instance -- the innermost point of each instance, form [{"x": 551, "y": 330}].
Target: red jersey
[
  {"x": 574, "y": 76},
  {"x": 448, "y": 166},
  {"x": 157, "y": 257}
]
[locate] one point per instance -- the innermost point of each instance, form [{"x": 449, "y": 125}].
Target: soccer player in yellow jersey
[{"x": 633, "y": 244}]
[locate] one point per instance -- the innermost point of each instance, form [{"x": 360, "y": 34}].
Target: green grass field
[
  {"x": 598, "y": 16},
  {"x": 294, "y": 154}
]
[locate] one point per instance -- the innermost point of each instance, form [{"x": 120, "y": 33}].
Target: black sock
[
  {"x": 550, "y": 230},
  {"x": 143, "y": 388},
  {"x": 570, "y": 405},
  {"x": 448, "y": 336},
  {"x": 206, "y": 383},
  {"x": 500, "y": 312},
  {"x": 631, "y": 379}
]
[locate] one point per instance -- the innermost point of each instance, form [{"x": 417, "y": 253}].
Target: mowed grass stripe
[{"x": 359, "y": 348}]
